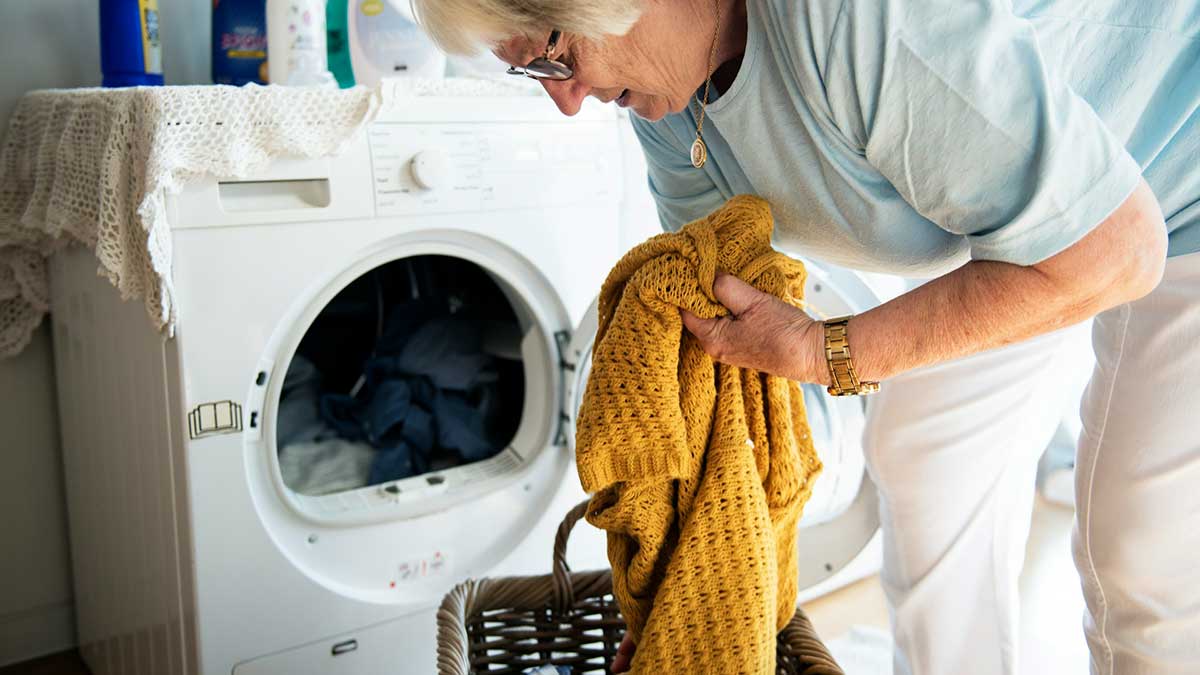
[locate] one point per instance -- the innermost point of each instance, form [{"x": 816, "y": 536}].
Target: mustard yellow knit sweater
[{"x": 700, "y": 470}]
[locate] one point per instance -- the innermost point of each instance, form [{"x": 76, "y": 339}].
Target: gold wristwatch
[{"x": 841, "y": 367}]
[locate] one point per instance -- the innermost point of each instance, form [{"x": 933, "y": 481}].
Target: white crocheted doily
[{"x": 92, "y": 167}]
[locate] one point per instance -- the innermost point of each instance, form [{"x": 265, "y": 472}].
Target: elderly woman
[{"x": 1020, "y": 156}]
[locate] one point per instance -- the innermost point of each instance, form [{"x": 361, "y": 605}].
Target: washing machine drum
[{"x": 413, "y": 369}]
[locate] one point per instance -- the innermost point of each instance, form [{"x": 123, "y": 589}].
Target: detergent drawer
[{"x": 399, "y": 646}]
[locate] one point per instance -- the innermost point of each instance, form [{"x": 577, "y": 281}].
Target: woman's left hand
[{"x": 761, "y": 332}]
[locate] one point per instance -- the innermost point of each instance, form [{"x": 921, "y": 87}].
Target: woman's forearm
[
  {"x": 977, "y": 307},
  {"x": 983, "y": 304}
]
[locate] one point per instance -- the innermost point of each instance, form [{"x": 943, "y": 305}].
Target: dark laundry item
[
  {"x": 379, "y": 412},
  {"x": 463, "y": 424},
  {"x": 404, "y": 447},
  {"x": 449, "y": 350},
  {"x": 391, "y": 421},
  {"x": 400, "y": 409},
  {"x": 439, "y": 392}
]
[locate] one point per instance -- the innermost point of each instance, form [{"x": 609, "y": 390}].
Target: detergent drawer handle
[{"x": 274, "y": 195}]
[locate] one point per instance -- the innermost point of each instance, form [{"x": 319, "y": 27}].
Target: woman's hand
[{"x": 762, "y": 332}]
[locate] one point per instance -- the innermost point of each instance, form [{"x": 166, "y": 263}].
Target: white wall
[{"x": 45, "y": 44}]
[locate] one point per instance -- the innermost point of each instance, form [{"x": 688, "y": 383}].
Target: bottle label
[
  {"x": 151, "y": 47},
  {"x": 244, "y": 42},
  {"x": 239, "y": 42}
]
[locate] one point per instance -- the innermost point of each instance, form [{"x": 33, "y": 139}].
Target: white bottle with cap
[
  {"x": 386, "y": 42},
  {"x": 296, "y": 43}
]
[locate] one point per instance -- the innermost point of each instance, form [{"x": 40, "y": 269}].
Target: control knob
[{"x": 430, "y": 169}]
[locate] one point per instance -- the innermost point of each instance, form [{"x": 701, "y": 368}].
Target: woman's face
[{"x": 654, "y": 69}]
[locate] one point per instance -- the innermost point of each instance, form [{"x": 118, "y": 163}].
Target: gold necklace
[{"x": 699, "y": 149}]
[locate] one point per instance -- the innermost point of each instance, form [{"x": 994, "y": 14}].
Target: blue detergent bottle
[
  {"x": 239, "y": 31},
  {"x": 130, "y": 49}
]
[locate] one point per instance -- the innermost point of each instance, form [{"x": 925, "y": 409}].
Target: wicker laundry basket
[{"x": 505, "y": 625}]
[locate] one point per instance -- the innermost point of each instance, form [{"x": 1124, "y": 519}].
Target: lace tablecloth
[{"x": 92, "y": 167}]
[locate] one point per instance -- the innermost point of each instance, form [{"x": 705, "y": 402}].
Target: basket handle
[{"x": 564, "y": 590}]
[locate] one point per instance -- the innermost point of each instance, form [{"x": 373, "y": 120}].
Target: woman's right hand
[{"x": 624, "y": 655}]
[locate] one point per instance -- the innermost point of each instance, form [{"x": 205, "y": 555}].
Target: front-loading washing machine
[{"x": 207, "y": 539}]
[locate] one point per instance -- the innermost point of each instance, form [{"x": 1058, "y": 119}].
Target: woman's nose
[{"x": 568, "y": 95}]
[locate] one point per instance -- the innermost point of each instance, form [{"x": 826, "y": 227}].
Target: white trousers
[{"x": 954, "y": 451}]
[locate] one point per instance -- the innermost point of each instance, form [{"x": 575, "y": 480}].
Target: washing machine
[{"x": 204, "y": 542}]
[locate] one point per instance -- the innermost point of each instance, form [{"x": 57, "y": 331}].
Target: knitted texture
[{"x": 700, "y": 469}]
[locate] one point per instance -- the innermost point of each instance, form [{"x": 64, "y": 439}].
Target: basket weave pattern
[{"x": 503, "y": 626}]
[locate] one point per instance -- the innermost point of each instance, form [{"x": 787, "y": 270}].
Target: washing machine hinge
[
  {"x": 560, "y": 437},
  {"x": 562, "y": 339}
]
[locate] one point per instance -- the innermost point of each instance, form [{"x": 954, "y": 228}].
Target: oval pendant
[{"x": 699, "y": 153}]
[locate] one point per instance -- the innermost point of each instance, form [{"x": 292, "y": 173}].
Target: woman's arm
[{"x": 979, "y": 306}]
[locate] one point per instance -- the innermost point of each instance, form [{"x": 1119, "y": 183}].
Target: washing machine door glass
[{"x": 413, "y": 368}]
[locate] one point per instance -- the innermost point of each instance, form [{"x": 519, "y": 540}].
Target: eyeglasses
[{"x": 544, "y": 67}]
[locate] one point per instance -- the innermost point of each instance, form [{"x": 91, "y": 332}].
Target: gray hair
[{"x": 464, "y": 26}]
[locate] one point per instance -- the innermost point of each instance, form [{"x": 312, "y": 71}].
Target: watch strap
[{"x": 842, "y": 376}]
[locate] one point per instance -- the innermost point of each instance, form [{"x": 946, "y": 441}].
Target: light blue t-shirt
[{"x": 909, "y": 136}]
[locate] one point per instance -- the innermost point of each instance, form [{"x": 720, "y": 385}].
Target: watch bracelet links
[{"x": 844, "y": 380}]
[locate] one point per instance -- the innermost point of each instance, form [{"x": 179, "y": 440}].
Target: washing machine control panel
[{"x": 443, "y": 168}]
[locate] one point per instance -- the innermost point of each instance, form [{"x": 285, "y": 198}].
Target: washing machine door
[{"x": 841, "y": 516}]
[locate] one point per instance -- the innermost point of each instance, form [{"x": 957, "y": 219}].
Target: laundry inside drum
[{"x": 413, "y": 369}]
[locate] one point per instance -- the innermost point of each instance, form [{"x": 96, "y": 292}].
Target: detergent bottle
[
  {"x": 130, "y": 49},
  {"x": 239, "y": 42},
  {"x": 296, "y": 50},
  {"x": 337, "y": 34},
  {"x": 387, "y": 42}
]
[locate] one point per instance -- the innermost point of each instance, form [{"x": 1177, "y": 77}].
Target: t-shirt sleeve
[
  {"x": 681, "y": 192},
  {"x": 955, "y": 104}
]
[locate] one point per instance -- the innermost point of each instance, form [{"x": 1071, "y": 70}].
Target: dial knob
[{"x": 430, "y": 169}]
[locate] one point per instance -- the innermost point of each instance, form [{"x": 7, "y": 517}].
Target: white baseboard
[{"x": 36, "y": 632}]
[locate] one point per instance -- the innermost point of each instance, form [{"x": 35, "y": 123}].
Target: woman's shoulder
[{"x": 804, "y": 28}]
